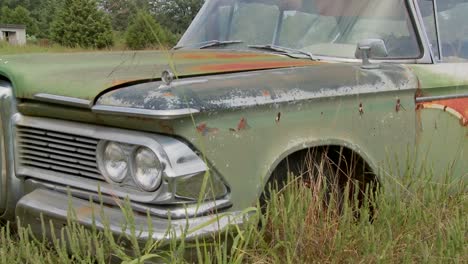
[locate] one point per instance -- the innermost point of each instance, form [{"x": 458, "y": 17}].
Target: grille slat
[
  {"x": 58, "y": 152},
  {"x": 59, "y": 141},
  {"x": 54, "y": 151},
  {"x": 56, "y": 162}
]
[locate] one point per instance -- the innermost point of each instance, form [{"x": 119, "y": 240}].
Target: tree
[
  {"x": 45, "y": 13},
  {"x": 81, "y": 24},
  {"x": 122, "y": 12},
  {"x": 144, "y": 32},
  {"x": 19, "y": 15},
  {"x": 176, "y": 15}
]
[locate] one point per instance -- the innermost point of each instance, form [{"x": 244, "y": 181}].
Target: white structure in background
[{"x": 13, "y": 34}]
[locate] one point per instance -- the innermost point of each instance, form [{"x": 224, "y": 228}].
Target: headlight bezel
[
  {"x": 130, "y": 151},
  {"x": 134, "y": 168},
  {"x": 100, "y": 157}
]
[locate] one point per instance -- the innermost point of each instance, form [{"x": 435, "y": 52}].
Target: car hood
[
  {"x": 86, "y": 76},
  {"x": 270, "y": 88}
]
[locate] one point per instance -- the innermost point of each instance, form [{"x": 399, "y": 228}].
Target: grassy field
[
  {"x": 7, "y": 49},
  {"x": 427, "y": 224}
]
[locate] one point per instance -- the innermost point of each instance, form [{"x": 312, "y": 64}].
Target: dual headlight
[{"x": 122, "y": 162}]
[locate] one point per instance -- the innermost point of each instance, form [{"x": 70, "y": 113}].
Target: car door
[{"x": 442, "y": 98}]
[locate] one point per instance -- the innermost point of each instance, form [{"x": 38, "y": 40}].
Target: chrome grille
[{"x": 58, "y": 152}]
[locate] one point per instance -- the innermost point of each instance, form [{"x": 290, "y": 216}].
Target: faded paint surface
[
  {"x": 86, "y": 75},
  {"x": 261, "y": 88},
  {"x": 250, "y": 120}
]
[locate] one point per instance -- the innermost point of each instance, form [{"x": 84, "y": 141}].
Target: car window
[
  {"x": 248, "y": 23},
  {"x": 321, "y": 27},
  {"x": 453, "y": 28}
]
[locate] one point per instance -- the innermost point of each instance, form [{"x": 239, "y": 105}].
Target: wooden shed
[{"x": 13, "y": 34}]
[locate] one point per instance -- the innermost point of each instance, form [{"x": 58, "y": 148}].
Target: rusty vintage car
[{"x": 251, "y": 84}]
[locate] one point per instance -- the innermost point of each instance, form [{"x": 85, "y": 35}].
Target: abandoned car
[{"x": 199, "y": 130}]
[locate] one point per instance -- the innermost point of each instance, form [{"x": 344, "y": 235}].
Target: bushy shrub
[
  {"x": 81, "y": 24},
  {"x": 145, "y": 32}
]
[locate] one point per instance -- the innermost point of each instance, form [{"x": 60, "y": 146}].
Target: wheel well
[{"x": 345, "y": 164}]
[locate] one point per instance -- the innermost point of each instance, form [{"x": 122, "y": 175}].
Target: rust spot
[
  {"x": 266, "y": 93},
  {"x": 166, "y": 127},
  {"x": 205, "y": 130},
  {"x": 239, "y": 56},
  {"x": 168, "y": 94},
  {"x": 398, "y": 105},
  {"x": 201, "y": 127},
  {"x": 219, "y": 55},
  {"x": 361, "y": 109},
  {"x": 119, "y": 82},
  {"x": 242, "y": 124},
  {"x": 419, "y": 92},
  {"x": 252, "y": 65},
  {"x": 84, "y": 211},
  {"x": 278, "y": 118}
]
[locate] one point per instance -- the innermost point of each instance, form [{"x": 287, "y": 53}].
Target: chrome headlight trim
[
  {"x": 100, "y": 158},
  {"x": 178, "y": 158},
  {"x": 134, "y": 170}
]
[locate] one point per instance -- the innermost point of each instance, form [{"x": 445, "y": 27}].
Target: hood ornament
[{"x": 167, "y": 77}]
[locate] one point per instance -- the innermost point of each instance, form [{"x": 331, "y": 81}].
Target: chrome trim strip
[
  {"x": 63, "y": 100},
  {"x": 427, "y": 57},
  {"x": 55, "y": 206},
  {"x": 148, "y": 113},
  {"x": 437, "y": 28},
  {"x": 441, "y": 97},
  {"x": 177, "y": 211}
]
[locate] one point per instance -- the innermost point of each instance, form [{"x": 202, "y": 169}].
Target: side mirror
[{"x": 371, "y": 49}]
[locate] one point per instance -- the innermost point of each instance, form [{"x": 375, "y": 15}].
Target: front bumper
[{"x": 55, "y": 206}]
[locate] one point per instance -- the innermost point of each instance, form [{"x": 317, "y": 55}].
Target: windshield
[{"x": 321, "y": 27}]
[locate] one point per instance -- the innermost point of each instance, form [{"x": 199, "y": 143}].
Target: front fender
[{"x": 10, "y": 186}]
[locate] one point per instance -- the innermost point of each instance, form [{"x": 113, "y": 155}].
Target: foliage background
[{"x": 101, "y": 23}]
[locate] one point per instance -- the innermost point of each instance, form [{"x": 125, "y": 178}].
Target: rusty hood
[{"x": 85, "y": 76}]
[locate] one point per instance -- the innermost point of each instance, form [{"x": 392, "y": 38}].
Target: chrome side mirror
[{"x": 371, "y": 49}]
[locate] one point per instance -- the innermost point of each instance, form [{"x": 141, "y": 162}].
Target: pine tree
[
  {"x": 122, "y": 12},
  {"x": 81, "y": 24},
  {"x": 145, "y": 32},
  {"x": 176, "y": 15}
]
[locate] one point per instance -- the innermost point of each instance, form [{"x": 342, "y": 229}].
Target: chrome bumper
[{"x": 55, "y": 206}]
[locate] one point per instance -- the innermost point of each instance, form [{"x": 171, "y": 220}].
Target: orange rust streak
[
  {"x": 119, "y": 82},
  {"x": 219, "y": 55},
  {"x": 239, "y": 66},
  {"x": 459, "y": 105}
]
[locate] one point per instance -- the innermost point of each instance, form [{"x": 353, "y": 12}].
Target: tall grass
[
  {"x": 8, "y": 49},
  {"x": 423, "y": 225}
]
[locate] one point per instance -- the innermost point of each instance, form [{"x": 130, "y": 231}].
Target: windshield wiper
[
  {"x": 217, "y": 43},
  {"x": 285, "y": 50},
  {"x": 210, "y": 43}
]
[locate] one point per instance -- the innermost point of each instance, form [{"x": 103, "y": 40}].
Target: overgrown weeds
[{"x": 423, "y": 225}]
